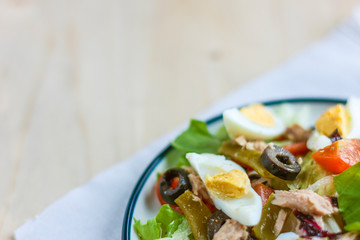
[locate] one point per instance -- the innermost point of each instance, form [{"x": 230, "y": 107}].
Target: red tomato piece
[
  {"x": 298, "y": 148},
  {"x": 339, "y": 156},
  {"x": 174, "y": 183},
  {"x": 263, "y": 191}
]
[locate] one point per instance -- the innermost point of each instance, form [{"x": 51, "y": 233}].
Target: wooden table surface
[{"x": 85, "y": 83}]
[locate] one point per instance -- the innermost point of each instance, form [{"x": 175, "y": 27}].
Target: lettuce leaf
[
  {"x": 148, "y": 231},
  {"x": 183, "y": 161},
  {"x": 198, "y": 139},
  {"x": 291, "y": 115},
  {"x": 167, "y": 224},
  {"x": 169, "y": 220},
  {"x": 176, "y": 158},
  {"x": 347, "y": 185},
  {"x": 222, "y": 133},
  {"x": 183, "y": 232},
  {"x": 309, "y": 174}
]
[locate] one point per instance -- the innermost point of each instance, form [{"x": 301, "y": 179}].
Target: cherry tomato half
[{"x": 297, "y": 149}]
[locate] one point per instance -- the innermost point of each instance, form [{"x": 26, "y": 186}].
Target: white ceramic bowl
[{"x": 143, "y": 203}]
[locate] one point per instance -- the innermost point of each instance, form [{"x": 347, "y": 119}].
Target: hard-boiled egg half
[
  {"x": 346, "y": 119},
  {"x": 255, "y": 122},
  {"x": 220, "y": 177}
]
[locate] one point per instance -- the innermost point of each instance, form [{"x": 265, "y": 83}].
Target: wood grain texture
[{"x": 86, "y": 83}]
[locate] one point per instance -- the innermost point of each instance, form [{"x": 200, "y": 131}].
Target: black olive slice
[
  {"x": 335, "y": 136},
  {"x": 166, "y": 191},
  {"x": 280, "y": 162},
  {"x": 215, "y": 222}
]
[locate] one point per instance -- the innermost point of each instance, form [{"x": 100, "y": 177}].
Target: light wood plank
[{"x": 21, "y": 70}]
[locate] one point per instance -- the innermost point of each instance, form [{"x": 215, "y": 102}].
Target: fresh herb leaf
[
  {"x": 197, "y": 139},
  {"x": 166, "y": 225},
  {"x": 347, "y": 185}
]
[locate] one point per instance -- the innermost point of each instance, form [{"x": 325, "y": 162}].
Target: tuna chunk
[
  {"x": 250, "y": 145},
  {"x": 233, "y": 230},
  {"x": 305, "y": 201},
  {"x": 297, "y": 133},
  {"x": 190, "y": 170},
  {"x": 198, "y": 186}
]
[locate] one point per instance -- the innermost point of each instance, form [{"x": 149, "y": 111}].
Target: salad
[{"x": 262, "y": 175}]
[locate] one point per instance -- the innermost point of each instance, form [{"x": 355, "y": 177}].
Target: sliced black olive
[
  {"x": 280, "y": 162},
  {"x": 335, "y": 136},
  {"x": 166, "y": 191},
  {"x": 215, "y": 222},
  {"x": 253, "y": 175},
  {"x": 334, "y": 201}
]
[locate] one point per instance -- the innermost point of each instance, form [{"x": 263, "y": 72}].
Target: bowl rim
[{"x": 128, "y": 215}]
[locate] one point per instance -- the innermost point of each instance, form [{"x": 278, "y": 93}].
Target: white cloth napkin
[{"x": 328, "y": 68}]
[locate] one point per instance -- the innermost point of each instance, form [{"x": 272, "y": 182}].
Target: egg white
[
  {"x": 317, "y": 141},
  {"x": 237, "y": 124},
  {"x": 247, "y": 209},
  {"x": 353, "y": 107}
]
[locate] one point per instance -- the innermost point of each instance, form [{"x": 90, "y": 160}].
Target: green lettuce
[
  {"x": 290, "y": 114},
  {"x": 309, "y": 174},
  {"x": 195, "y": 139},
  {"x": 347, "y": 185},
  {"x": 198, "y": 139},
  {"x": 222, "y": 133},
  {"x": 167, "y": 224},
  {"x": 183, "y": 232},
  {"x": 148, "y": 231},
  {"x": 176, "y": 158}
]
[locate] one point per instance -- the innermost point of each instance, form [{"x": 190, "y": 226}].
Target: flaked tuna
[
  {"x": 305, "y": 201},
  {"x": 233, "y": 230}
]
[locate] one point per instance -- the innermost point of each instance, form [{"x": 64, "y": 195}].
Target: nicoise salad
[{"x": 262, "y": 176}]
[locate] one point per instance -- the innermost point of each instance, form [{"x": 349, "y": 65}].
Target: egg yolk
[
  {"x": 232, "y": 184},
  {"x": 336, "y": 117},
  {"x": 258, "y": 114}
]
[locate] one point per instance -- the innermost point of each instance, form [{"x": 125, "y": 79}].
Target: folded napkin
[{"x": 328, "y": 68}]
